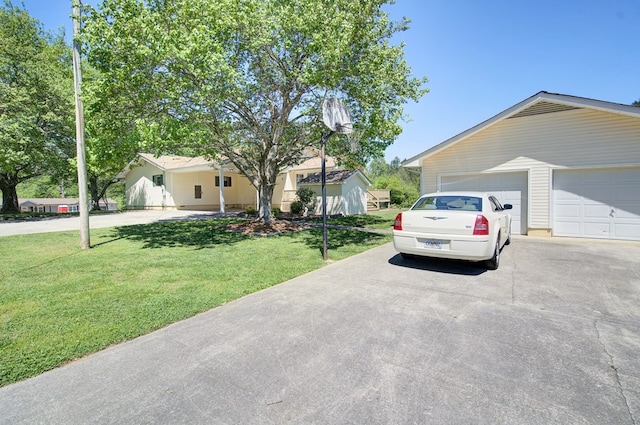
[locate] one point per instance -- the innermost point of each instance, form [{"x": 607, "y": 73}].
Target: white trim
[{"x": 578, "y": 102}]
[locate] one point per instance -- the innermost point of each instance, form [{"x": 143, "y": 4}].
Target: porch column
[{"x": 221, "y": 177}]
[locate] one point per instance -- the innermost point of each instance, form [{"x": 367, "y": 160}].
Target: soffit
[{"x": 543, "y": 108}]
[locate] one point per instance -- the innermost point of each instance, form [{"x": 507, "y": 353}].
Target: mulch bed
[{"x": 276, "y": 227}]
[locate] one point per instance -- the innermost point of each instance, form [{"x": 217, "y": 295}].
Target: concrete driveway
[
  {"x": 551, "y": 337},
  {"x": 125, "y": 218}
]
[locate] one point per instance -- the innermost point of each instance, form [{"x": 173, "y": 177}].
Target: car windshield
[{"x": 449, "y": 202}]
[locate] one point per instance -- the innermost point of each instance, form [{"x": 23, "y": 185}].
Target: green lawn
[{"x": 58, "y": 302}]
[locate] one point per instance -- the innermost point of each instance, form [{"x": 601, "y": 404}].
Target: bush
[
  {"x": 307, "y": 198},
  {"x": 250, "y": 211},
  {"x": 296, "y": 207},
  {"x": 275, "y": 211},
  {"x": 402, "y": 194}
]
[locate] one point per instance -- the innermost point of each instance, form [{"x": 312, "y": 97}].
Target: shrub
[
  {"x": 296, "y": 207},
  {"x": 250, "y": 211},
  {"x": 402, "y": 194},
  {"x": 307, "y": 198}
]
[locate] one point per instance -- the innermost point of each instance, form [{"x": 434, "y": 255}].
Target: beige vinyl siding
[
  {"x": 579, "y": 138},
  {"x": 539, "y": 197},
  {"x": 183, "y": 185},
  {"x": 334, "y": 198},
  {"x": 354, "y": 196},
  {"x": 242, "y": 193},
  {"x": 140, "y": 190},
  {"x": 239, "y": 195}
]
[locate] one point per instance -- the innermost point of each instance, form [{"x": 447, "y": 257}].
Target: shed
[{"x": 346, "y": 191}]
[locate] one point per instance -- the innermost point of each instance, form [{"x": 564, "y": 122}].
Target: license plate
[{"x": 433, "y": 244}]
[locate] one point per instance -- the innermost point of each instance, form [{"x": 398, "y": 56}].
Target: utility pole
[{"x": 83, "y": 204}]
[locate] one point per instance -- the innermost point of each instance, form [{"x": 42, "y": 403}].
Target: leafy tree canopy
[
  {"x": 36, "y": 102},
  {"x": 402, "y": 182},
  {"x": 244, "y": 79},
  {"x": 109, "y": 147}
]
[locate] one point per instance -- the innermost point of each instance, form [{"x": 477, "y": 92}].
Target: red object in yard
[{"x": 63, "y": 208}]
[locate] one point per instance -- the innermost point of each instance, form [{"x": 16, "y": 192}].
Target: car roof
[{"x": 458, "y": 193}]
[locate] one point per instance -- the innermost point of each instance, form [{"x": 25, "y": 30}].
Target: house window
[
  {"x": 158, "y": 180},
  {"x": 299, "y": 177},
  {"x": 227, "y": 181},
  {"x": 198, "y": 191},
  {"x": 73, "y": 208}
]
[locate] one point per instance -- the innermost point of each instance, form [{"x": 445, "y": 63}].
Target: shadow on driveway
[{"x": 438, "y": 265}]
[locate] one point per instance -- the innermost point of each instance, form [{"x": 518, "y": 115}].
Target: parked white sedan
[{"x": 459, "y": 225}]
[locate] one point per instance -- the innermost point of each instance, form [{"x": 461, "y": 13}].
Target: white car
[{"x": 470, "y": 226}]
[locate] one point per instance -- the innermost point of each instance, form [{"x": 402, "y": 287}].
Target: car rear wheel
[{"x": 494, "y": 262}]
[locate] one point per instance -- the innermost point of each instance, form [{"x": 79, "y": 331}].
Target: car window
[
  {"x": 495, "y": 204},
  {"x": 459, "y": 202},
  {"x": 426, "y": 203}
]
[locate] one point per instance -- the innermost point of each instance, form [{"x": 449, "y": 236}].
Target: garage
[
  {"x": 603, "y": 203},
  {"x": 569, "y": 165},
  {"x": 508, "y": 188}
]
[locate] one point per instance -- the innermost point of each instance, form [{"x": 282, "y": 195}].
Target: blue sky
[{"x": 482, "y": 57}]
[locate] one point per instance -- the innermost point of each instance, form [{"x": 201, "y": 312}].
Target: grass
[
  {"x": 380, "y": 220},
  {"x": 58, "y": 302}
]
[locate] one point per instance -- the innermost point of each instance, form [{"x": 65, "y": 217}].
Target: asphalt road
[{"x": 551, "y": 337}]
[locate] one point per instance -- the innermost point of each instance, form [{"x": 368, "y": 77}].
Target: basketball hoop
[
  {"x": 336, "y": 116},
  {"x": 353, "y": 139}
]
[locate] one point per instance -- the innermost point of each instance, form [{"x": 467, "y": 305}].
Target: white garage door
[
  {"x": 597, "y": 203},
  {"x": 508, "y": 188}
]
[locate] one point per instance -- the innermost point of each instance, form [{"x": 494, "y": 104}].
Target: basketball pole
[
  {"x": 323, "y": 142},
  {"x": 337, "y": 118}
]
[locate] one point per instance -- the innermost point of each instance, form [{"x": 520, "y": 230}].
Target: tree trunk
[
  {"x": 9, "y": 195},
  {"x": 94, "y": 192},
  {"x": 266, "y": 195}
]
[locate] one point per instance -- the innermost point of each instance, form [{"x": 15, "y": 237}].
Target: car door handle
[{"x": 612, "y": 213}]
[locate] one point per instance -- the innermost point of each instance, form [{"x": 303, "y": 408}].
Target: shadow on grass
[
  {"x": 338, "y": 238},
  {"x": 198, "y": 234},
  {"x": 354, "y": 221}
]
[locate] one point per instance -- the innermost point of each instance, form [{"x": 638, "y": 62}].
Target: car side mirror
[{"x": 507, "y": 206}]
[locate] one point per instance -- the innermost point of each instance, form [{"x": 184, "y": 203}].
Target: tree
[
  {"x": 36, "y": 109},
  {"x": 402, "y": 182},
  {"x": 636, "y": 103},
  {"x": 48, "y": 187},
  {"x": 110, "y": 143},
  {"x": 244, "y": 79}
]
